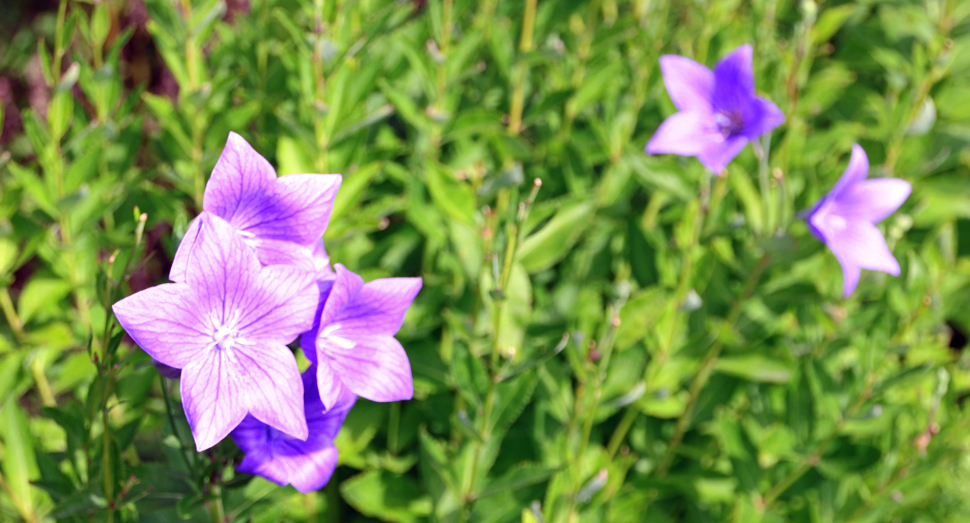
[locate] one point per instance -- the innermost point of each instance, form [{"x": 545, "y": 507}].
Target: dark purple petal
[
  {"x": 306, "y": 470},
  {"x": 280, "y": 306},
  {"x": 873, "y": 200},
  {"x": 718, "y": 155},
  {"x": 164, "y": 323},
  {"x": 240, "y": 178},
  {"x": 761, "y": 117},
  {"x": 734, "y": 81},
  {"x": 167, "y": 372},
  {"x": 689, "y": 84},
  {"x": 307, "y": 465},
  {"x": 686, "y": 133}
]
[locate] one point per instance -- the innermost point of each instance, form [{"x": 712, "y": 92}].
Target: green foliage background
[{"x": 644, "y": 343}]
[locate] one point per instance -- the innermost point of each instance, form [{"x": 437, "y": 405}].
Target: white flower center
[
  {"x": 328, "y": 336},
  {"x": 226, "y": 337},
  {"x": 728, "y": 123}
]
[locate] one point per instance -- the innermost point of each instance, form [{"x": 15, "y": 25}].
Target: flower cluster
[
  {"x": 249, "y": 277},
  {"x": 719, "y": 114}
]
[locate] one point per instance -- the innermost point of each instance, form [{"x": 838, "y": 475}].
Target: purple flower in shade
[
  {"x": 352, "y": 343},
  {"x": 282, "y": 459},
  {"x": 719, "y": 112},
  {"x": 845, "y": 220},
  {"x": 226, "y": 326},
  {"x": 281, "y": 218}
]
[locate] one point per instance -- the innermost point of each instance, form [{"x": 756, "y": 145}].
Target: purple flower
[
  {"x": 226, "y": 326},
  {"x": 281, "y": 218},
  {"x": 353, "y": 343},
  {"x": 282, "y": 459},
  {"x": 845, "y": 220},
  {"x": 719, "y": 112}
]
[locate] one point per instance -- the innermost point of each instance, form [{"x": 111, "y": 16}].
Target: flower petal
[
  {"x": 307, "y": 471},
  {"x": 855, "y": 172},
  {"x": 299, "y": 210},
  {"x": 276, "y": 252},
  {"x": 240, "y": 178},
  {"x": 761, "y": 116},
  {"x": 717, "y": 155},
  {"x": 275, "y": 389},
  {"x": 379, "y": 307},
  {"x": 280, "y": 306},
  {"x": 321, "y": 261},
  {"x": 860, "y": 245},
  {"x": 689, "y": 84},
  {"x": 331, "y": 387},
  {"x": 376, "y": 368},
  {"x": 734, "y": 80},
  {"x": 181, "y": 262},
  {"x": 686, "y": 133},
  {"x": 873, "y": 200},
  {"x": 218, "y": 266},
  {"x": 215, "y": 397},
  {"x": 345, "y": 289},
  {"x": 164, "y": 323}
]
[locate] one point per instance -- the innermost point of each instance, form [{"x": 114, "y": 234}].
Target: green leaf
[
  {"x": 19, "y": 465},
  {"x": 552, "y": 243},
  {"x": 755, "y": 367},
  {"x": 518, "y": 477},
  {"x": 41, "y": 293},
  {"x": 388, "y": 496},
  {"x": 450, "y": 195}
]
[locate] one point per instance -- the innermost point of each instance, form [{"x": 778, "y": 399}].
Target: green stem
[
  {"x": 11, "y": 314},
  {"x": 217, "y": 510},
  {"x": 707, "y": 367},
  {"x": 607, "y": 344},
  {"x": 521, "y": 69}
]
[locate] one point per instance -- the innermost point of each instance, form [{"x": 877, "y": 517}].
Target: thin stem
[
  {"x": 171, "y": 421},
  {"x": 521, "y": 69},
  {"x": 606, "y": 344},
  {"x": 761, "y": 150},
  {"x": 217, "y": 510},
  {"x": 485, "y": 426},
  {"x": 707, "y": 367},
  {"x": 11, "y": 314}
]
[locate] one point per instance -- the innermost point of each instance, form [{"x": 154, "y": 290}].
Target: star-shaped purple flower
[
  {"x": 845, "y": 220},
  {"x": 353, "y": 343},
  {"x": 226, "y": 325},
  {"x": 719, "y": 111},
  {"x": 280, "y": 218},
  {"x": 282, "y": 459}
]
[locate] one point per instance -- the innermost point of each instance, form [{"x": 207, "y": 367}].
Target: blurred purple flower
[
  {"x": 280, "y": 218},
  {"x": 167, "y": 372},
  {"x": 719, "y": 112},
  {"x": 353, "y": 342},
  {"x": 226, "y": 326},
  {"x": 845, "y": 220},
  {"x": 307, "y": 465}
]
